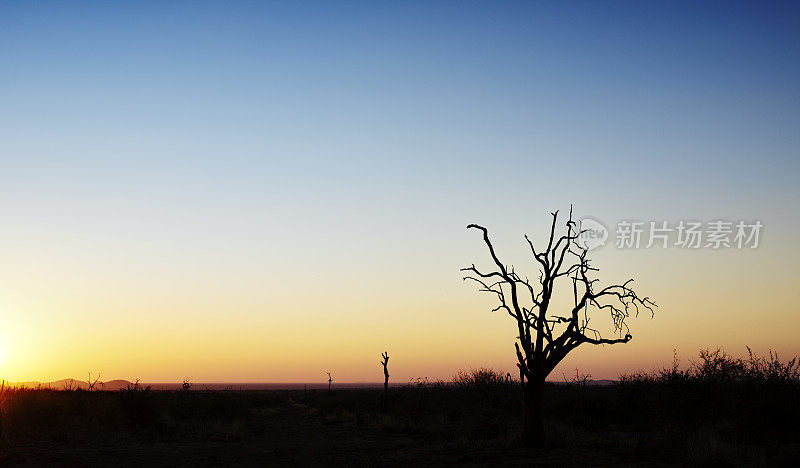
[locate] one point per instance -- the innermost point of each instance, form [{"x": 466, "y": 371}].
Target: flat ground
[
  {"x": 292, "y": 434},
  {"x": 651, "y": 424}
]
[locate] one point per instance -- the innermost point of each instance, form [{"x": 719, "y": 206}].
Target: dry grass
[{"x": 720, "y": 411}]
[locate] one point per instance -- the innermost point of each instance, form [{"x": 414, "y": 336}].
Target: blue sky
[
  {"x": 367, "y": 100},
  {"x": 315, "y": 138}
]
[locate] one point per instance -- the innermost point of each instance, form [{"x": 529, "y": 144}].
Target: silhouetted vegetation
[
  {"x": 720, "y": 410},
  {"x": 480, "y": 379},
  {"x": 546, "y": 336},
  {"x": 385, "y": 363},
  {"x": 717, "y": 367},
  {"x": 734, "y": 401},
  {"x": 715, "y": 410}
]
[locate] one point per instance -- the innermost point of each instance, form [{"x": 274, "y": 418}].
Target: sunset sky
[{"x": 263, "y": 192}]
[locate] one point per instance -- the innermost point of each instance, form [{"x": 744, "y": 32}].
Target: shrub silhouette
[
  {"x": 482, "y": 378},
  {"x": 718, "y": 367},
  {"x": 753, "y": 400},
  {"x": 186, "y": 385}
]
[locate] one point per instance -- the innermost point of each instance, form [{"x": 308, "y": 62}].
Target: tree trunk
[
  {"x": 533, "y": 423},
  {"x": 385, "y": 408}
]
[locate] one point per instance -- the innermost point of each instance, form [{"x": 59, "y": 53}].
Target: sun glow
[{"x": 3, "y": 352}]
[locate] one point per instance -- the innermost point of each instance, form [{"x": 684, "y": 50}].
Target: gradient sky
[{"x": 252, "y": 191}]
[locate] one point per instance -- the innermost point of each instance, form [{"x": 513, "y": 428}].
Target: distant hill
[
  {"x": 602, "y": 382},
  {"x": 67, "y": 384},
  {"x": 116, "y": 384}
]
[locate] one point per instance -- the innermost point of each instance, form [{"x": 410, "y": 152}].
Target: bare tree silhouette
[
  {"x": 385, "y": 363},
  {"x": 539, "y": 346},
  {"x": 92, "y": 383},
  {"x": 70, "y": 385}
]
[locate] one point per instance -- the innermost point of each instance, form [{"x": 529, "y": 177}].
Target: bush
[
  {"x": 482, "y": 378},
  {"x": 719, "y": 367},
  {"x": 739, "y": 401}
]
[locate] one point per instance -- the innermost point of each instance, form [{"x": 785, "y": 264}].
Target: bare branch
[{"x": 540, "y": 347}]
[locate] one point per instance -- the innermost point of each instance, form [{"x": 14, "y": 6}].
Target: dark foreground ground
[
  {"x": 724, "y": 412},
  {"x": 427, "y": 425},
  {"x": 280, "y": 430}
]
